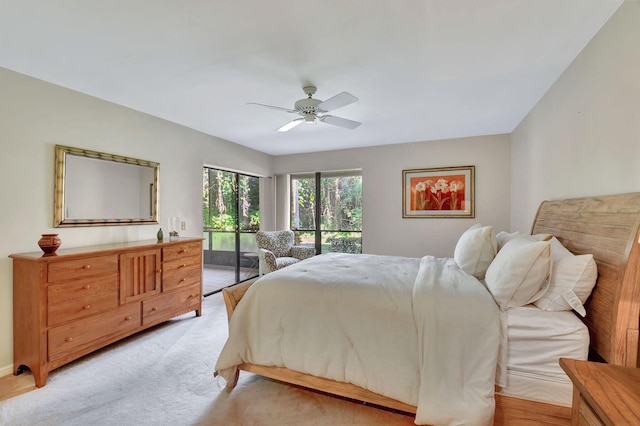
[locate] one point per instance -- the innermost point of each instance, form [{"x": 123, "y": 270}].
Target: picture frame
[{"x": 441, "y": 192}]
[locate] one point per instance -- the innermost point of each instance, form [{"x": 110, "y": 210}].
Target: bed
[{"x": 607, "y": 228}]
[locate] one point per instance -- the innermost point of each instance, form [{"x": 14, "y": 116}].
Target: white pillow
[
  {"x": 541, "y": 237},
  {"x": 572, "y": 280},
  {"x": 519, "y": 273},
  {"x": 504, "y": 236},
  {"x": 558, "y": 250},
  {"x": 475, "y": 250}
]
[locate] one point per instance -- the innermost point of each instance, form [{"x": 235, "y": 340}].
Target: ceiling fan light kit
[
  {"x": 312, "y": 110},
  {"x": 290, "y": 125}
]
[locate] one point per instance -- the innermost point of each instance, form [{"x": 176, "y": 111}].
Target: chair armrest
[
  {"x": 302, "y": 252},
  {"x": 267, "y": 260}
]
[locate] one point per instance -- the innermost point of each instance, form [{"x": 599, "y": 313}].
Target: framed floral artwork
[{"x": 438, "y": 192}]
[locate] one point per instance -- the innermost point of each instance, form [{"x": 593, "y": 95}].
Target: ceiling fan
[{"x": 314, "y": 110}]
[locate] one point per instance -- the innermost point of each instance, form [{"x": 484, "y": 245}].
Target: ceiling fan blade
[
  {"x": 290, "y": 125},
  {"x": 272, "y": 107},
  {"x": 340, "y": 122},
  {"x": 338, "y": 101}
]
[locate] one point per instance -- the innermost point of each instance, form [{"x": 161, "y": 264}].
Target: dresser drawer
[
  {"x": 93, "y": 331},
  {"x": 79, "y": 268},
  {"x": 587, "y": 416},
  {"x": 182, "y": 250},
  {"x": 82, "y": 307},
  {"x": 65, "y": 291},
  {"x": 167, "y": 305},
  {"x": 179, "y": 272},
  {"x": 176, "y": 265},
  {"x": 184, "y": 277}
]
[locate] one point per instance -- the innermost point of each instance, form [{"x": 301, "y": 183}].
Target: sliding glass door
[
  {"x": 326, "y": 210},
  {"x": 231, "y": 217}
]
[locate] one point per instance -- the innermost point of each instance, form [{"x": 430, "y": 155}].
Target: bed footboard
[{"x": 233, "y": 295}]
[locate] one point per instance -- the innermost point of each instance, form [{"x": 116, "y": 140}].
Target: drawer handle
[
  {"x": 127, "y": 318},
  {"x": 154, "y": 309},
  {"x": 86, "y": 286},
  {"x": 183, "y": 279},
  {"x": 86, "y": 267},
  {"x": 86, "y": 307},
  {"x": 68, "y": 339},
  {"x": 182, "y": 251}
]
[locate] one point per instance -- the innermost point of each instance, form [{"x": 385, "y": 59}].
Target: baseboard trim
[{"x": 6, "y": 370}]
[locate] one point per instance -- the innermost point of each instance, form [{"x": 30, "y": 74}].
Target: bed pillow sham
[
  {"x": 475, "y": 250},
  {"x": 572, "y": 280},
  {"x": 503, "y": 236},
  {"x": 519, "y": 273}
]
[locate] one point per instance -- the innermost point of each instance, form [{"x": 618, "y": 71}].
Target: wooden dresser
[
  {"x": 603, "y": 394},
  {"x": 81, "y": 299}
]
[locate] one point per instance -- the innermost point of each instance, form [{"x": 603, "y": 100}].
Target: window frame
[{"x": 318, "y": 231}]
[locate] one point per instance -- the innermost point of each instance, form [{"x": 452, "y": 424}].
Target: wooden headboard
[{"x": 606, "y": 227}]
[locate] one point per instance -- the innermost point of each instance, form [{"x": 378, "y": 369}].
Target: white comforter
[{"x": 420, "y": 331}]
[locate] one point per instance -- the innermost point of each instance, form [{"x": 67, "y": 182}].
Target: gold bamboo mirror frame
[{"x": 98, "y": 189}]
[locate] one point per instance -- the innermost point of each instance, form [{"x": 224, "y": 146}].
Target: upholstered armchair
[{"x": 276, "y": 250}]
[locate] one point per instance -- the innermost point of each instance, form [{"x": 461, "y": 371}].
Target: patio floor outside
[{"x": 215, "y": 278}]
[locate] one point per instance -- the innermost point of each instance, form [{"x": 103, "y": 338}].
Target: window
[{"x": 334, "y": 201}]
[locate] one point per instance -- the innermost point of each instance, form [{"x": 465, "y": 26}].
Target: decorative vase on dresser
[
  {"x": 49, "y": 243},
  {"x": 84, "y": 298}
]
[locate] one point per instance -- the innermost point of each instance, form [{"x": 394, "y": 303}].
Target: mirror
[{"x": 97, "y": 189}]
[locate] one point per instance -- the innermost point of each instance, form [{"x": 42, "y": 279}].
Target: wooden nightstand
[{"x": 603, "y": 394}]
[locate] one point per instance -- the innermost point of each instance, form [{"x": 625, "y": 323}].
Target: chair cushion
[
  {"x": 302, "y": 252},
  {"x": 281, "y": 262},
  {"x": 277, "y": 242}
]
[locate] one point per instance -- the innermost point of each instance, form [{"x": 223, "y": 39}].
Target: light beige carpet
[
  {"x": 164, "y": 376},
  {"x": 260, "y": 401}
]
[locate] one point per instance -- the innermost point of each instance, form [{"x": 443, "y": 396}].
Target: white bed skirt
[
  {"x": 537, "y": 340},
  {"x": 538, "y": 388}
]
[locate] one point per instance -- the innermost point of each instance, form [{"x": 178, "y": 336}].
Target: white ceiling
[{"x": 422, "y": 69}]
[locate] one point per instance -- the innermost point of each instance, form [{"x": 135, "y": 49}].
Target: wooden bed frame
[{"x": 606, "y": 227}]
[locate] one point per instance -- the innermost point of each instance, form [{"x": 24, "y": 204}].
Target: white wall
[
  {"x": 35, "y": 116},
  {"x": 384, "y": 229},
  {"x": 583, "y": 137}
]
